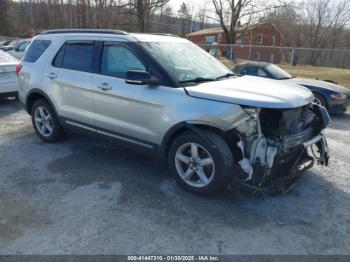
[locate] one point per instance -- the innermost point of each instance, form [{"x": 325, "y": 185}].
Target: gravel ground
[{"x": 88, "y": 196}]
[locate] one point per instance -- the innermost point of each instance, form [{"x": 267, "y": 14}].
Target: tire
[
  {"x": 213, "y": 147},
  {"x": 321, "y": 100},
  {"x": 54, "y": 131}
]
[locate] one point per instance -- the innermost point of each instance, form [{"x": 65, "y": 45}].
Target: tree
[
  {"x": 202, "y": 15},
  {"x": 143, "y": 9},
  {"x": 229, "y": 12},
  {"x": 185, "y": 18},
  {"x": 323, "y": 23},
  {"x": 3, "y": 18}
]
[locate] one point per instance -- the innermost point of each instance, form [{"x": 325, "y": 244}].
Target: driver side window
[{"x": 117, "y": 60}]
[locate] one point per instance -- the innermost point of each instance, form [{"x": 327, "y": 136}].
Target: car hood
[
  {"x": 319, "y": 84},
  {"x": 253, "y": 91}
]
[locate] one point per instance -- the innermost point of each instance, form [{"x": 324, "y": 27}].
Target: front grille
[{"x": 298, "y": 139}]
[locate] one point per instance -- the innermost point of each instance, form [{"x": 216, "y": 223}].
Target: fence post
[
  {"x": 231, "y": 54},
  {"x": 291, "y": 59}
]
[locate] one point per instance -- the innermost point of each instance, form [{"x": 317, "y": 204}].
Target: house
[{"x": 254, "y": 42}]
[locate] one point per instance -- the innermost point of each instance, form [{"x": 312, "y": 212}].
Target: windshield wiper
[
  {"x": 225, "y": 76},
  {"x": 197, "y": 80}
]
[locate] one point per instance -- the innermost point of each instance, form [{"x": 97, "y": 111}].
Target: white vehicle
[
  {"x": 18, "y": 51},
  {"x": 8, "y": 77}
]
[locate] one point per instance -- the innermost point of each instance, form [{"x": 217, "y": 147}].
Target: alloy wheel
[
  {"x": 194, "y": 164},
  {"x": 43, "y": 121}
]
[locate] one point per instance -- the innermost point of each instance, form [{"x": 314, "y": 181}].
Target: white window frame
[
  {"x": 257, "y": 56},
  {"x": 219, "y": 38},
  {"x": 210, "y": 39},
  {"x": 260, "y": 39},
  {"x": 239, "y": 38}
]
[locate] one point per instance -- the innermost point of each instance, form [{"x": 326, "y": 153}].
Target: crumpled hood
[
  {"x": 318, "y": 83},
  {"x": 253, "y": 91}
]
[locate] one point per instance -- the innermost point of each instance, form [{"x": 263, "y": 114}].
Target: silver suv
[{"x": 165, "y": 94}]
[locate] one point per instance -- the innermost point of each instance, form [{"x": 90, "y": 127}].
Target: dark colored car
[{"x": 334, "y": 97}]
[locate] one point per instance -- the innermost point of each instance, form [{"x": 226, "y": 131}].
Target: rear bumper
[
  {"x": 9, "y": 87},
  {"x": 8, "y": 94}
]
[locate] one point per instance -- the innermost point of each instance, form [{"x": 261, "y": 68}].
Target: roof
[
  {"x": 208, "y": 31},
  {"x": 93, "y": 31},
  {"x": 218, "y": 30},
  {"x": 140, "y": 37}
]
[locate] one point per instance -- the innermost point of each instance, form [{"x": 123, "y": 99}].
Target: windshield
[
  {"x": 277, "y": 72},
  {"x": 186, "y": 62}
]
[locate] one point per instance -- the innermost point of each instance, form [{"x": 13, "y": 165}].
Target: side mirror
[{"x": 140, "y": 77}]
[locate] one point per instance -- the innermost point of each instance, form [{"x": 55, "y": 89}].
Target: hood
[
  {"x": 253, "y": 91},
  {"x": 319, "y": 84}
]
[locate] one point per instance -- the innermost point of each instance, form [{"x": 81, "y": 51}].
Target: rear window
[
  {"x": 75, "y": 56},
  {"x": 35, "y": 50}
]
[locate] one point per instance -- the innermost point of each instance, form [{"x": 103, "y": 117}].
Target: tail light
[{"x": 18, "y": 69}]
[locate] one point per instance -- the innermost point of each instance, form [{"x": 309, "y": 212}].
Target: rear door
[{"x": 68, "y": 80}]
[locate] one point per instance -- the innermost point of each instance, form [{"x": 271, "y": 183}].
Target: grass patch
[{"x": 342, "y": 76}]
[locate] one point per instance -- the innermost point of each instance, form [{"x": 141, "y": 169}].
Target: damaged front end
[{"x": 275, "y": 146}]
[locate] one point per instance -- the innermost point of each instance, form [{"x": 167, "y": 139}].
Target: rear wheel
[
  {"x": 201, "y": 166},
  {"x": 45, "y": 122}
]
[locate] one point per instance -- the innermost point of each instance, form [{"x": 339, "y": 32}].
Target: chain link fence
[{"x": 292, "y": 56}]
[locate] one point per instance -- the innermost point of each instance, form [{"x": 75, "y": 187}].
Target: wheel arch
[
  {"x": 34, "y": 95},
  {"x": 231, "y": 137},
  {"x": 323, "y": 96}
]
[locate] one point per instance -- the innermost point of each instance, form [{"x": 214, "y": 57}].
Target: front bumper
[
  {"x": 290, "y": 166},
  {"x": 338, "y": 106}
]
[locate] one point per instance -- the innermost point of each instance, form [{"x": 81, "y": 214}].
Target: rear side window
[
  {"x": 35, "y": 50},
  {"x": 75, "y": 56}
]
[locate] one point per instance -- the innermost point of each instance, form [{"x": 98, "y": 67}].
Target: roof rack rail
[
  {"x": 165, "y": 34},
  {"x": 78, "y": 31}
]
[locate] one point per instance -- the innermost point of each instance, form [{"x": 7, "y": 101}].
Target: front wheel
[
  {"x": 319, "y": 99},
  {"x": 201, "y": 164}
]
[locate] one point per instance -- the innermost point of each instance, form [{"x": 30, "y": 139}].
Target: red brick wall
[
  {"x": 201, "y": 39},
  {"x": 267, "y": 31}
]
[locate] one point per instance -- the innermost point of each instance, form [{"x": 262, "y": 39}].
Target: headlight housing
[
  {"x": 338, "y": 96},
  {"x": 251, "y": 111}
]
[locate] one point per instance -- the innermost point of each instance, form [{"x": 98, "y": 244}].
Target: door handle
[
  {"x": 51, "y": 75},
  {"x": 104, "y": 87}
]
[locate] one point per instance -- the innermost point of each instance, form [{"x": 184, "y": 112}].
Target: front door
[{"x": 129, "y": 112}]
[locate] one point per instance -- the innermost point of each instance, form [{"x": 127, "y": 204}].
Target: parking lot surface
[{"x": 89, "y": 196}]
